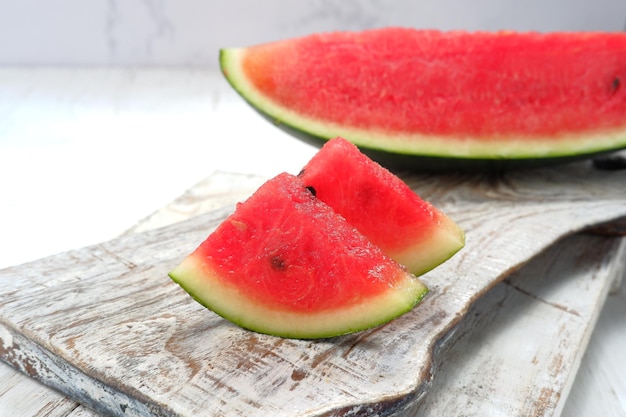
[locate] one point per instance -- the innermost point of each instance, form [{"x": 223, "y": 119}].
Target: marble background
[{"x": 190, "y": 32}]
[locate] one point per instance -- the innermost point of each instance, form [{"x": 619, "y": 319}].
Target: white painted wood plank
[
  {"x": 581, "y": 277},
  {"x": 334, "y": 371},
  {"x": 600, "y": 386},
  {"x": 218, "y": 190},
  {"x": 22, "y": 396},
  {"x": 25, "y": 397},
  {"x": 518, "y": 349}
]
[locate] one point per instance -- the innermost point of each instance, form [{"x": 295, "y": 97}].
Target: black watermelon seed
[
  {"x": 311, "y": 190},
  {"x": 616, "y": 84},
  {"x": 278, "y": 262}
]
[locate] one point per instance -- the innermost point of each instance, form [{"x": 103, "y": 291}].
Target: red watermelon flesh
[
  {"x": 382, "y": 207},
  {"x": 499, "y": 95},
  {"x": 284, "y": 263}
]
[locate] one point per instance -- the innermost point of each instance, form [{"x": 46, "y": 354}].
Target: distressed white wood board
[
  {"x": 600, "y": 387},
  {"x": 106, "y": 326},
  {"x": 217, "y": 191},
  {"x": 456, "y": 363},
  {"x": 21, "y": 396},
  {"x": 548, "y": 308},
  {"x": 559, "y": 294},
  {"x": 517, "y": 351}
]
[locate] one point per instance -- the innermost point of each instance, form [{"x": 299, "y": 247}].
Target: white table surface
[{"x": 86, "y": 153}]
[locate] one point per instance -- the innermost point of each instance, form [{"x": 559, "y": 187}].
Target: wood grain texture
[
  {"x": 105, "y": 325},
  {"x": 518, "y": 349},
  {"x": 601, "y": 374},
  {"x": 25, "y": 397},
  {"x": 218, "y": 190}
]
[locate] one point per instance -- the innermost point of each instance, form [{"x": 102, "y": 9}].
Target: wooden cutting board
[{"x": 105, "y": 324}]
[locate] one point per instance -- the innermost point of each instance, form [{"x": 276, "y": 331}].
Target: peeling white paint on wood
[
  {"x": 110, "y": 313},
  {"x": 518, "y": 349}
]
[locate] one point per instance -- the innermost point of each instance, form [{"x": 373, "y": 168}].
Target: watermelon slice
[
  {"x": 464, "y": 98},
  {"x": 284, "y": 263},
  {"x": 382, "y": 207}
]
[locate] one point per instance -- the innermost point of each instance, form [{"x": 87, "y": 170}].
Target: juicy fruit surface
[
  {"x": 382, "y": 207},
  {"x": 285, "y": 263},
  {"x": 391, "y": 69},
  {"x": 491, "y": 95}
]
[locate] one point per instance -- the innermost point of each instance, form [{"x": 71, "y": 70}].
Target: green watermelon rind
[
  {"x": 428, "y": 151},
  {"x": 427, "y": 237},
  {"x": 443, "y": 243},
  {"x": 227, "y": 302}
]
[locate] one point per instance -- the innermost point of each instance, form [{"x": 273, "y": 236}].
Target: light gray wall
[{"x": 190, "y": 32}]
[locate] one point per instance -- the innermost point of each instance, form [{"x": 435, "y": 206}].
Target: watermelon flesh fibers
[
  {"x": 284, "y": 263},
  {"x": 382, "y": 207},
  {"x": 458, "y": 95}
]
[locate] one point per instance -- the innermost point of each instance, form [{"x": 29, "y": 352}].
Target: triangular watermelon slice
[
  {"x": 382, "y": 207},
  {"x": 460, "y": 98},
  {"x": 284, "y": 263}
]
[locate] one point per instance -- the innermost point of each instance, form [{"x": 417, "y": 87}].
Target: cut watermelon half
[
  {"x": 382, "y": 207},
  {"x": 284, "y": 263},
  {"x": 465, "y": 97}
]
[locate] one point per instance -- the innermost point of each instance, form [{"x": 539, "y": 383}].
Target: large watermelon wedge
[
  {"x": 382, "y": 207},
  {"x": 457, "y": 97},
  {"x": 284, "y": 263}
]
